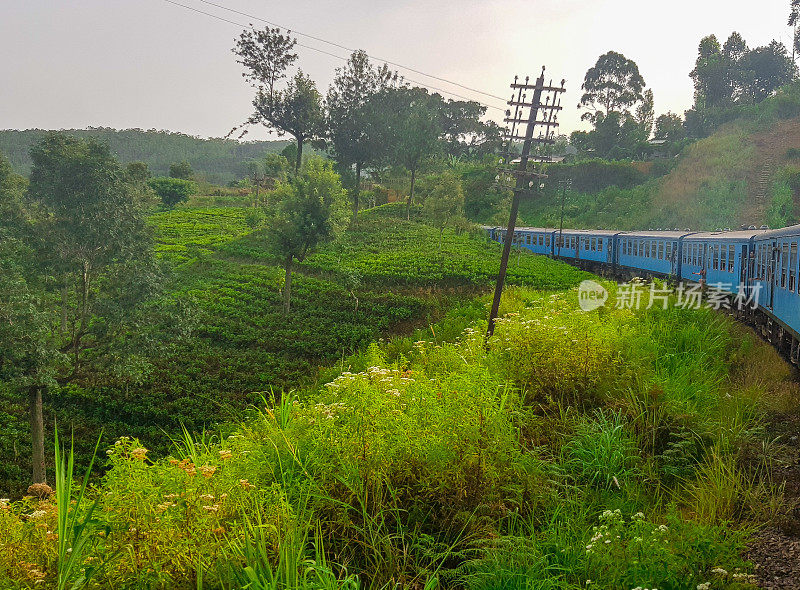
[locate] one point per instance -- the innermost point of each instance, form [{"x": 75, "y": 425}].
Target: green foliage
[
  {"x": 612, "y": 85},
  {"x": 592, "y": 176},
  {"x": 74, "y": 529},
  {"x": 309, "y": 210},
  {"x": 296, "y": 110},
  {"x": 173, "y": 191},
  {"x": 421, "y": 459},
  {"x": 781, "y": 207},
  {"x": 137, "y": 172},
  {"x": 602, "y": 454},
  {"x": 445, "y": 202},
  {"x": 729, "y": 79},
  {"x": 181, "y": 170}
]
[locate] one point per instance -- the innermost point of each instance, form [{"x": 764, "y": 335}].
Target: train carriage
[
  {"x": 773, "y": 274},
  {"x": 720, "y": 257},
  {"x": 657, "y": 252}
]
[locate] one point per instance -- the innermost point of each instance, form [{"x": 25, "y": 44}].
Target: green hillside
[
  {"x": 385, "y": 277},
  {"x": 218, "y": 160}
]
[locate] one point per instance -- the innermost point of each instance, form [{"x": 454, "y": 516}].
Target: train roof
[
  {"x": 737, "y": 235},
  {"x": 656, "y": 234},
  {"x": 594, "y": 232},
  {"x": 792, "y": 230}
]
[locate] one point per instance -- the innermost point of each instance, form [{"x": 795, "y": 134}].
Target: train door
[
  {"x": 704, "y": 250},
  {"x": 772, "y": 273},
  {"x": 743, "y": 263}
]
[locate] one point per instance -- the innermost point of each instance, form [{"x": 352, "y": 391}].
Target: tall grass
[{"x": 76, "y": 530}]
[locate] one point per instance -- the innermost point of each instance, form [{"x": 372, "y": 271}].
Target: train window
[
  {"x": 547, "y": 241},
  {"x": 661, "y": 250},
  {"x": 793, "y": 267},
  {"x": 784, "y": 264},
  {"x": 731, "y": 257},
  {"x": 600, "y": 244},
  {"x": 594, "y": 244}
]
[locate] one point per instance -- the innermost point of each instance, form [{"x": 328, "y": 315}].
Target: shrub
[{"x": 172, "y": 190}]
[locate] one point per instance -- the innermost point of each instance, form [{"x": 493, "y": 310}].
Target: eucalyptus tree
[
  {"x": 613, "y": 84},
  {"x": 355, "y": 127}
]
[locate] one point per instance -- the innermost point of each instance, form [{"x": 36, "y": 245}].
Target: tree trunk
[
  {"x": 287, "y": 287},
  {"x": 355, "y": 193},
  {"x": 411, "y": 193},
  {"x": 299, "y": 160},
  {"x": 37, "y": 434}
]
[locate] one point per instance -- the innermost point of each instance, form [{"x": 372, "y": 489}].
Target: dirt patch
[
  {"x": 776, "y": 557},
  {"x": 775, "y": 551}
]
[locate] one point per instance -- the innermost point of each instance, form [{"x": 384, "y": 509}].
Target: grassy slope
[
  {"x": 437, "y": 458},
  {"x": 242, "y": 344},
  {"x": 716, "y": 182}
]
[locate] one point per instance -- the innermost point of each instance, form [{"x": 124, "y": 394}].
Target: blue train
[{"x": 759, "y": 264}]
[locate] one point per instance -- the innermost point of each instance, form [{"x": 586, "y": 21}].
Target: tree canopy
[
  {"x": 613, "y": 84},
  {"x": 307, "y": 210}
]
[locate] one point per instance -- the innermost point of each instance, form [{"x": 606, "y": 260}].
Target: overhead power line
[
  {"x": 350, "y": 50},
  {"x": 318, "y": 50}
]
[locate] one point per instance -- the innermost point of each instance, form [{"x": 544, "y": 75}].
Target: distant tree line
[{"x": 215, "y": 160}]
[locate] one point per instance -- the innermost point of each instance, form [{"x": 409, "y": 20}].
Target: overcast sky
[{"x": 151, "y": 64}]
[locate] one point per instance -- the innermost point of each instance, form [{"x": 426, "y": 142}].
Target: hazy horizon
[{"x": 155, "y": 65}]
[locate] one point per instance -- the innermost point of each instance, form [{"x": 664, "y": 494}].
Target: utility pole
[{"x": 521, "y": 179}]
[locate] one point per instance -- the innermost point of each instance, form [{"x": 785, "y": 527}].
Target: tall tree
[
  {"x": 711, "y": 75},
  {"x": 27, "y": 356},
  {"x": 645, "y": 115},
  {"x": 309, "y": 209},
  {"x": 265, "y": 55},
  {"x": 414, "y": 129},
  {"x": 355, "y": 127},
  {"x": 794, "y": 20},
  {"x": 613, "y": 84},
  {"x": 94, "y": 246},
  {"x": 463, "y": 132},
  {"x": 769, "y": 67},
  {"x": 296, "y": 110}
]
